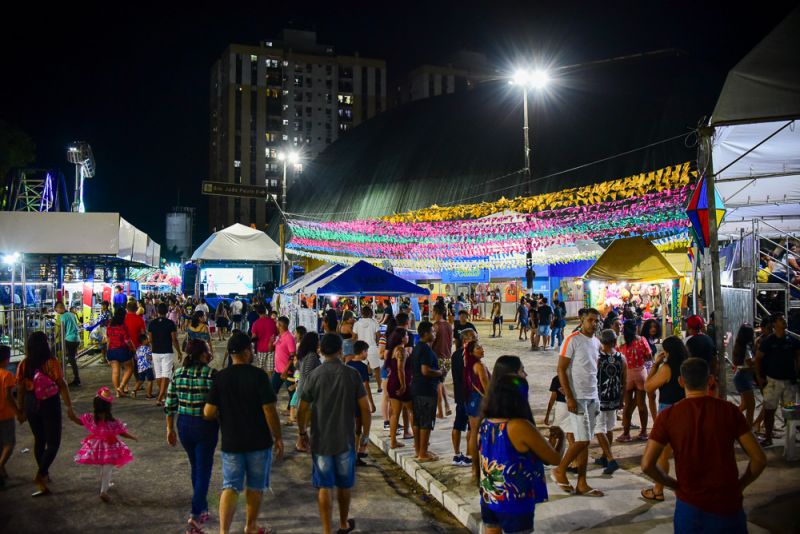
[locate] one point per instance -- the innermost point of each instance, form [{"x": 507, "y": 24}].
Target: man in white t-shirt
[
  {"x": 203, "y": 307},
  {"x": 367, "y": 329},
  {"x": 577, "y": 372},
  {"x": 236, "y": 312}
]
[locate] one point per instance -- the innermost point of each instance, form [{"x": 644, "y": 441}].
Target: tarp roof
[
  {"x": 757, "y": 112},
  {"x": 239, "y": 243},
  {"x": 76, "y": 234},
  {"x": 363, "y": 279},
  {"x": 633, "y": 259},
  {"x": 298, "y": 286}
]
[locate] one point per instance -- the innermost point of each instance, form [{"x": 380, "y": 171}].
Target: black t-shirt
[
  {"x": 162, "y": 328},
  {"x": 421, "y": 385},
  {"x": 240, "y": 392},
  {"x": 361, "y": 367},
  {"x": 555, "y": 385},
  {"x": 457, "y": 372},
  {"x": 252, "y": 317},
  {"x": 545, "y": 312},
  {"x": 458, "y": 328},
  {"x": 778, "y": 362}
]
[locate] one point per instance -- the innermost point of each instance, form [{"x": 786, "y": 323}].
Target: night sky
[{"x": 134, "y": 83}]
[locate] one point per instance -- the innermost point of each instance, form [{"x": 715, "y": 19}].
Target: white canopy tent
[
  {"x": 756, "y": 143},
  {"x": 238, "y": 243},
  {"x": 298, "y": 286}
]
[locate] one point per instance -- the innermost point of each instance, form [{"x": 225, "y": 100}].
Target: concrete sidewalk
[{"x": 621, "y": 510}]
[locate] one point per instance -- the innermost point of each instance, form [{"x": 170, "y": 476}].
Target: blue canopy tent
[{"x": 363, "y": 279}]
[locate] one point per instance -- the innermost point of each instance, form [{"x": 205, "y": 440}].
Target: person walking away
[
  {"x": 308, "y": 356},
  {"x": 512, "y": 457},
  {"x": 120, "y": 352},
  {"x": 120, "y": 300},
  {"x": 252, "y": 316},
  {"x": 497, "y": 318},
  {"x": 577, "y": 372},
  {"x": 72, "y": 340},
  {"x": 236, "y": 313},
  {"x": 285, "y": 348},
  {"x": 424, "y": 388},
  {"x": 636, "y": 352},
  {"x": 134, "y": 324},
  {"x": 265, "y": 331},
  {"x": 367, "y": 330},
  {"x": 8, "y": 410},
  {"x": 533, "y": 321},
  {"x": 745, "y": 378},
  {"x": 611, "y": 380},
  {"x": 40, "y": 382},
  {"x": 185, "y": 400},
  {"x": 461, "y": 422},
  {"x": 664, "y": 378},
  {"x": 557, "y": 329},
  {"x": 358, "y": 362},
  {"x": 222, "y": 321},
  {"x": 776, "y": 371},
  {"x": 442, "y": 347},
  {"x": 241, "y": 397},
  {"x": 707, "y": 484},
  {"x": 476, "y": 383},
  {"x": 163, "y": 338},
  {"x": 704, "y": 347},
  {"x": 144, "y": 366},
  {"x": 333, "y": 396},
  {"x": 345, "y": 330},
  {"x": 521, "y": 318},
  {"x": 102, "y": 447},
  {"x": 545, "y": 314}
]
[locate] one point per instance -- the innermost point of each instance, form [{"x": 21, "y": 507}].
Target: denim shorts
[
  {"x": 334, "y": 471},
  {"x": 147, "y": 376},
  {"x": 461, "y": 421},
  {"x": 662, "y": 407},
  {"x": 255, "y": 465},
  {"x": 474, "y": 404},
  {"x": 119, "y": 355},
  {"x": 544, "y": 330},
  {"x": 508, "y": 523},
  {"x": 744, "y": 380},
  {"x": 384, "y": 373}
]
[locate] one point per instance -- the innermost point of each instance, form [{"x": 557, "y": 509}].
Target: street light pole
[
  {"x": 283, "y": 187},
  {"x": 527, "y": 143}
]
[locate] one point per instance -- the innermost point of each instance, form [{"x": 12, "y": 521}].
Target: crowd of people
[{"x": 607, "y": 367}]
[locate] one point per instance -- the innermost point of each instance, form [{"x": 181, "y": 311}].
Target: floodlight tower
[{"x": 79, "y": 154}]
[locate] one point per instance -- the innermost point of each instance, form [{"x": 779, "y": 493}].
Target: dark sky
[{"x": 134, "y": 83}]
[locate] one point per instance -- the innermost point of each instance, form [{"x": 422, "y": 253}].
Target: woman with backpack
[{"x": 40, "y": 380}]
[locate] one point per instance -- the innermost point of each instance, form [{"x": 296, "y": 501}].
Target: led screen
[{"x": 224, "y": 281}]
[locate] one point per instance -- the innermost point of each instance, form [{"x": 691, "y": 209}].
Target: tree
[{"x": 16, "y": 150}]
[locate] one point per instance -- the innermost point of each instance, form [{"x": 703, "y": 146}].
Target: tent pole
[
  {"x": 706, "y": 136},
  {"x": 283, "y": 252}
]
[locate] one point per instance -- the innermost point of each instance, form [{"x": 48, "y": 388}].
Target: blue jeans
[
  {"x": 276, "y": 382},
  {"x": 199, "y": 439},
  {"x": 558, "y": 333},
  {"x": 691, "y": 519},
  {"x": 255, "y": 465}
]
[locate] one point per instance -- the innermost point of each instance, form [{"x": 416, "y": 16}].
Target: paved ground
[
  {"x": 771, "y": 502},
  {"x": 153, "y": 493}
]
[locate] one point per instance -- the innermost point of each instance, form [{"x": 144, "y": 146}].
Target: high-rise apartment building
[
  {"x": 462, "y": 72},
  {"x": 283, "y": 95}
]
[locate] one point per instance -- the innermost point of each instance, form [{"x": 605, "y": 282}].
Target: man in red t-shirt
[
  {"x": 702, "y": 431},
  {"x": 264, "y": 331}
]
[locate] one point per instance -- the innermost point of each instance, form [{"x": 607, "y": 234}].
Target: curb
[{"x": 452, "y": 502}]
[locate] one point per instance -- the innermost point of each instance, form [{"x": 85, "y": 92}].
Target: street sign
[{"x": 225, "y": 189}]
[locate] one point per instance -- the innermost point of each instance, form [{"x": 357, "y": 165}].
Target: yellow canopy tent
[{"x": 633, "y": 259}]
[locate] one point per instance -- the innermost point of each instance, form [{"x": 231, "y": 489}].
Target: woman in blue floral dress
[{"x": 512, "y": 452}]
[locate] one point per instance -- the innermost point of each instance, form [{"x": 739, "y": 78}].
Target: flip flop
[
  {"x": 566, "y": 487},
  {"x": 658, "y": 497},
  {"x": 431, "y": 458},
  {"x": 594, "y": 492},
  {"x": 351, "y": 526}
]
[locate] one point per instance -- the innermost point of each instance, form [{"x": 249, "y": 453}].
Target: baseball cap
[
  {"x": 695, "y": 322},
  {"x": 608, "y": 337}
]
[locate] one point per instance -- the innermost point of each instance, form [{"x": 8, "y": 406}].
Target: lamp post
[
  {"x": 534, "y": 79},
  {"x": 286, "y": 158}
]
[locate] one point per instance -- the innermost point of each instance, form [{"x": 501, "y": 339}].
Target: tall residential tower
[{"x": 284, "y": 95}]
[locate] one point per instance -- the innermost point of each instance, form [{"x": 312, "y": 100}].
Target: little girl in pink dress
[{"x": 102, "y": 447}]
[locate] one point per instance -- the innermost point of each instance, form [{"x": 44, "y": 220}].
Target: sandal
[
  {"x": 643, "y": 436},
  {"x": 624, "y": 438},
  {"x": 594, "y": 492},
  {"x": 351, "y": 526},
  {"x": 564, "y": 486},
  {"x": 651, "y": 495}
]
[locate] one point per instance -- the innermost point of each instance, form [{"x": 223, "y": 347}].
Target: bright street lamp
[
  {"x": 292, "y": 157},
  {"x": 535, "y": 79},
  {"x": 11, "y": 259}
]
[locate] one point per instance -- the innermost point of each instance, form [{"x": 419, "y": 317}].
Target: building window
[
  {"x": 286, "y": 122},
  {"x": 309, "y": 67},
  {"x": 298, "y": 80},
  {"x": 253, "y": 70},
  {"x": 238, "y": 60},
  {"x": 309, "y": 96},
  {"x": 308, "y": 81},
  {"x": 308, "y": 111},
  {"x": 345, "y": 99},
  {"x": 328, "y": 70},
  {"x": 285, "y": 63},
  {"x": 309, "y": 125},
  {"x": 285, "y": 137},
  {"x": 237, "y": 209},
  {"x": 237, "y": 163}
]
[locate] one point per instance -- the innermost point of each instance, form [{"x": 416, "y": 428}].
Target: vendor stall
[{"x": 632, "y": 272}]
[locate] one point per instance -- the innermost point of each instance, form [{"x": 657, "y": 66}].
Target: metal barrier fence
[{"x": 17, "y": 323}]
